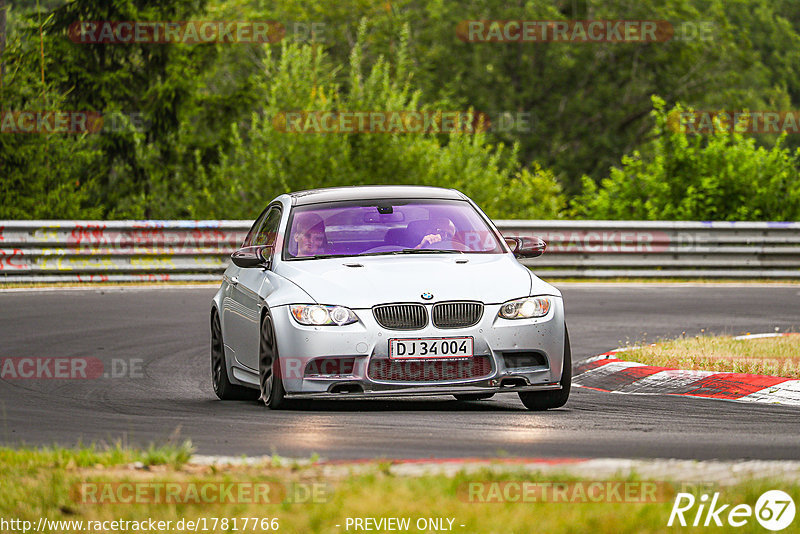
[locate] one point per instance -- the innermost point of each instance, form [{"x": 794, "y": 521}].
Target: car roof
[{"x": 369, "y": 192}]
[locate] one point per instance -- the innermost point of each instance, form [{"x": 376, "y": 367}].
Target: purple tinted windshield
[{"x": 386, "y": 226}]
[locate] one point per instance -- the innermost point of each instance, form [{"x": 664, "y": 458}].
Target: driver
[
  {"x": 309, "y": 234},
  {"x": 443, "y": 230}
]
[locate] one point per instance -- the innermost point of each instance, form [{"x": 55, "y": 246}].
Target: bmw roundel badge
[{"x": 427, "y": 295}]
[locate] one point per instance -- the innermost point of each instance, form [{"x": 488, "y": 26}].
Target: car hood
[{"x": 362, "y": 282}]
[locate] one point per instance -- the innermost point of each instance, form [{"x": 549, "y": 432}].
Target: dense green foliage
[
  {"x": 200, "y": 139},
  {"x": 726, "y": 177},
  {"x": 264, "y": 161}
]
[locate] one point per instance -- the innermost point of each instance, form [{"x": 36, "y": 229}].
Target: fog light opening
[
  {"x": 329, "y": 367},
  {"x": 522, "y": 360}
]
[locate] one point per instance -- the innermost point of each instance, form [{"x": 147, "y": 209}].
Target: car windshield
[{"x": 366, "y": 228}]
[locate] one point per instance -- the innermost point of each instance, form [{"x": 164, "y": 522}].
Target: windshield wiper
[
  {"x": 319, "y": 257},
  {"x": 428, "y": 251},
  {"x": 387, "y": 253},
  {"x": 431, "y": 251},
  {"x": 413, "y": 251}
]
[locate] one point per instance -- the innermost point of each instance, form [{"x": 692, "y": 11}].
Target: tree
[
  {"x": 266, "y": 161},
  {"x": 589, "y": 102},
  {"x": 2, "y": 46},
  {"x": 722, "y": 177}
]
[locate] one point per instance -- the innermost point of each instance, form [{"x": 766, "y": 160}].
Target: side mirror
[
  {"x": 249, "y": 257},
  {"x": 526, "y": 247},
  {"x": 513, "y": 243}
]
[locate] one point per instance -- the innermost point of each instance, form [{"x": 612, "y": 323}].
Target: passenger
[{"x": 309, "y": 234}]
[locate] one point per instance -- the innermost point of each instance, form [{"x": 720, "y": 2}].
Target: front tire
[
  {"x": 269, "y": 369},
  {"x": 219, "y": 369},
  {"x": 546, "y": 400}
]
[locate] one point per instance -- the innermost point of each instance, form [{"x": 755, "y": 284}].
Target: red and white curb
[{"x": 606, "y": 373}]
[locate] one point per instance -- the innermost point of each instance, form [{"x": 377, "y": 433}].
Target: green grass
[
  {"x": 775, "y": 356},
  {"x": 92, "y": 456},
  {"x": 41, "y": 483}
]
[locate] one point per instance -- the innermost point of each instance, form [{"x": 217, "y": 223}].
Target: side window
[
  {"x": 267, "y": 234},
  {"x": 251, "y": 234}
]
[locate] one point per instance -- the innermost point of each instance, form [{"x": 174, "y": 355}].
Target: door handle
[{"x": 235, "y": 281}]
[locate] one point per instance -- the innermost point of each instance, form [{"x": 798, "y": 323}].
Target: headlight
[
  {"x": 316, "y": 315},
  {"x": 525, "y": 308}
]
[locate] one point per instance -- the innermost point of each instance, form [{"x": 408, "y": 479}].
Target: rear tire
[
  {"x": 219, "y": 368},
  {"x": 269, "y": 368},
  {"x": 546, "y": 400},
  {"x": 473, "y": 396}
]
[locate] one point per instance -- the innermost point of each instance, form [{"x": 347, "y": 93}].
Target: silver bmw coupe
[{"x": 377, "y": 291}]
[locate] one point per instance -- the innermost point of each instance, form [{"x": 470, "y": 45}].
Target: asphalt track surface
[{"x": 167, "y": 328}]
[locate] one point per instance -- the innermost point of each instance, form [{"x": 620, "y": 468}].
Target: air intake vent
[
  {"x": 401, "y": 316},
  {"x": 457, "y": 314},
  {"x": 516, "y": 360}
]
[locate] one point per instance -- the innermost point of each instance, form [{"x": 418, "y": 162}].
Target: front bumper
[
  {"x": 366, "y": 342},
  {"x": 422, "y": 391}
]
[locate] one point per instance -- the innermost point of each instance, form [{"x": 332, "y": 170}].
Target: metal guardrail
[
  {"x": 117, "y": 251},
  {"x": 680, "y": 249},
  {"x": 120, "y": 251}
]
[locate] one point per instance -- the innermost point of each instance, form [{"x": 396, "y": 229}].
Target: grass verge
[
  {"x": 42, "y": 483},
  {"x": 14, "y": 459},
  {"x": 775, "y": 356}
]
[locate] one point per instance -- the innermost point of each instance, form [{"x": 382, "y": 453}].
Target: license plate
[{"x": 431, "y": 347}]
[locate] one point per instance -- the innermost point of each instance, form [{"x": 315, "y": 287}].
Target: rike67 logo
[{"x": 774, "y": 510}]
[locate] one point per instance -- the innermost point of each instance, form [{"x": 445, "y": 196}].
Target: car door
[
  {"x": 232, "y": 311},
  {"x": 247, "y": 288}
]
